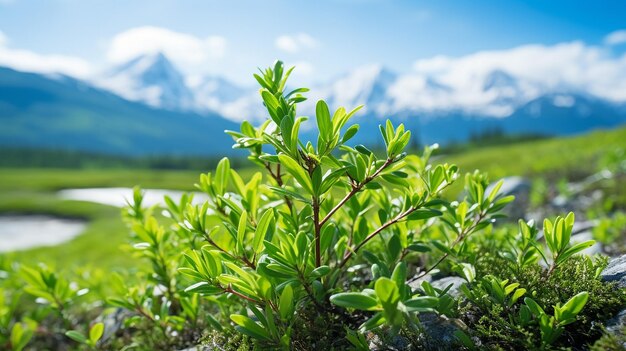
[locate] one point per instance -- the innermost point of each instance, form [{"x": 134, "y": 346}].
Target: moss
[
  {"x": 227, "y": 340},
  {"x": 326, "y": 330},
  {"x": 611, "y": 342},
  {"x": 497, "y": 329}
]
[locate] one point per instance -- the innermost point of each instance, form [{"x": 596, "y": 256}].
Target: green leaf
[
  {"x": 362, "y": 149},
  {"x": 249, "y": 327},
  {"x": 292, "y": 194},
  {"x": 423, "y": 213},
  {"x": 20, "y": 336},
  {"x": 387, "y": 290},
  {"x": 534, "y": 307},
  {"x": 76, "y": 336},
  {"x": 261, "y": 230},
  {"x": 286, "y": 306},
  {"x": 377, "y": 320},
  {"x": 222, "y": 175},
  {"x": 399, "y": 274},
  {"x": 574, "y": 250},
  {"x": 421, "y": 303},
  {"x": 442, "y": 247},
  {"x": 354, "y": 300},
  {"x": 297, "y": 172},
  {"x": 272, "y": 106},
  {"x": 573, "y": 306},
  {"x": 96, "y": 331},
  {"x": 320, "y": 271},
  {"x": 203, "y": 288},
  {"x": 323, "y": 120},
  {"x": 351, "y": 132},
  {"x": 241, "y": 229},
  {"x": 516, "y": 295}
]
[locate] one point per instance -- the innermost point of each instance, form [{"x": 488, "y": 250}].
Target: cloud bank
[
  {"x": 494, "y": 82},
  {"x": 183, "y": 49},
  {"x": 295, "y": 43},
  {"x": 28, "y": 61},
  {"x": 616, "y": 38}
]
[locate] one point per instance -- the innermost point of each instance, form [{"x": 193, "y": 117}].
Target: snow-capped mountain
[
  {"x": 366, "y": 85},
  {"x": 151, "y": 79},
  {"x": 441, "y": 105}
]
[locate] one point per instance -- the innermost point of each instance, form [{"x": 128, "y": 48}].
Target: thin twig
[
  {"x": 355, "y": 189},
  {"x": 391, "y": 222},
  {"x": 458, "y": 239}
]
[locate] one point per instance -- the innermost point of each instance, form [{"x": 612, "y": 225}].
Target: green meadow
[{"x": 103, "y": 243}]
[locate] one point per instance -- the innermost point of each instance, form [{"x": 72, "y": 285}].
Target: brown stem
[
  {"x": 248, "y": 263},
  {"x": 244, "y": 260},
  {"x": 355, "y": 189},
  {"x": 279, "y": 180},
  {"x": 458, "y": 239},
  {"x": 307, "y": 288},
  {"x": 230, "y": 290},
  {"x": 142, "y": 312},
  {"x": 317, "y": 227},
  {"x": 391, "y": 222}
]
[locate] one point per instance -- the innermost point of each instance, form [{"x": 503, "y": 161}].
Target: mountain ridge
[{"x": 61, "y": 111}]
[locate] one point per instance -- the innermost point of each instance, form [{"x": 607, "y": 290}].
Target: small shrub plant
[{"x": 329, "y": 246}]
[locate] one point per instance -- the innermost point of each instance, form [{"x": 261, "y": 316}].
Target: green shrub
[{"x": 319, "y": 250}]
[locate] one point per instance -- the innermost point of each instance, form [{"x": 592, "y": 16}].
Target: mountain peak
[
  {"x": 498, "y": 79},
  {"x": 365, "y": 85},
  {"x": 153, "y": 79},
  {"x": 156, "y": 61}
]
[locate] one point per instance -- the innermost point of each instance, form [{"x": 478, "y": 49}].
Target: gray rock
[
  {"x": 416, "y": 283},
  {"x": 615, "y": 326},
  {"x": 520, "y": 188},
  {"x": 456, "y": 283},
  {"x": 585, "y": 236},
  {"x": 113, "y": 322},
  {"x": 394, "y": 343},
  {"x": 617, "y": 323},
  {"x": 438, "y": 332},
  {"x": 615, "y": 271}
]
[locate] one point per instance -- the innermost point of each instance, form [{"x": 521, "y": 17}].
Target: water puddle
[
  {"x": 19, "y": 232},
  {"x": 117, "y": 196}
]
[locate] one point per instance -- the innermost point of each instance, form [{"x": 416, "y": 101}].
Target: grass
[
  {"x": 571, "y": 157},
  {"x": 55, "y": 179},
  {"x": 33, "y": 191}
]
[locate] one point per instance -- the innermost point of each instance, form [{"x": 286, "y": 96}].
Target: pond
[
  {"x": 117, "y": 196},
  {"x": 19, "y": 232}
]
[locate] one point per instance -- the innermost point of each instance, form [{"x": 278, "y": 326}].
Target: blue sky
[{"x": 326, "y": 37}]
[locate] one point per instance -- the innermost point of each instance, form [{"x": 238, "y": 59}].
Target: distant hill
[
  {"x": 146, "y": 106},
  {"x": 60, "y": 112}
]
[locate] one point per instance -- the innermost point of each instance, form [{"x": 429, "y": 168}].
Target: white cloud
[
  {"x": 495, "y": 82},
  {"x": 295, "y": 43},
  {"x": 24, "y": 60},
  {"x": 615, "y": 38},
  {"x": 184, "y": 49},
  {"x": 304, "y": 70}
]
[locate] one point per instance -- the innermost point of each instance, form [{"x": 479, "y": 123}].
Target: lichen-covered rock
[
  {"x": 438, "y": 332},
  {"x": 615, "y": 271},
  {"x": 393, "y": 343}
]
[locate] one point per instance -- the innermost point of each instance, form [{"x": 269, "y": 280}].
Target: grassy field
[
  {"x": 33, "y": 190},
  {"x": 571, "y": 157}
]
